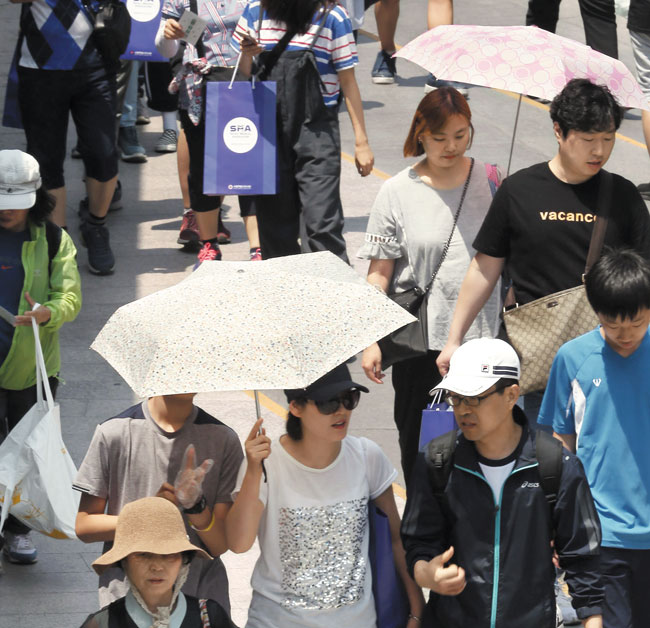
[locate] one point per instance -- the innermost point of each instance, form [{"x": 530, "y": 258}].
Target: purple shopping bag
[
  {"x": 240, "y": 138},
  {"x": 437, "y": 419}
]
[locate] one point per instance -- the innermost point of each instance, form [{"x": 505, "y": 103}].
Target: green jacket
[{"x": 60, "y": 291}]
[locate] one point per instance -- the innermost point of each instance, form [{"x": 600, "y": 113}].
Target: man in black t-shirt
[{"x": 539, "y": 224}]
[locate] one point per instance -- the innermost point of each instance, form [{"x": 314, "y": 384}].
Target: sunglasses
[
  {"x": 348, "y": 399},
  {"x": 455, "y": 400}
]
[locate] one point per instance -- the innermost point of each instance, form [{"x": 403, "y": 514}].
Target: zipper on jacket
[{"x": 497, "y": 536}]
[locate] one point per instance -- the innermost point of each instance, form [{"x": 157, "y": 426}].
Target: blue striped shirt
[{"x": 334, "y": 49}]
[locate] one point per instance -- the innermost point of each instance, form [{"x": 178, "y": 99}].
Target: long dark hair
[{"x": 297, "y": 15}]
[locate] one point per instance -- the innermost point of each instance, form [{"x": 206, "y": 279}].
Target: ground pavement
[{"x": 60, "y": 590}]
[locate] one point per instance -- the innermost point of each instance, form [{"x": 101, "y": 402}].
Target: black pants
[
  {"x": 412, "y": 380},
  {"x": 598, "y": 18},
  {"x": 625, "y": 576},
  {"x": 14, "y": 405}
]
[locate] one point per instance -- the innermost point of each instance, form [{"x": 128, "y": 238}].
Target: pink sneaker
[
  {"x": 256, "y": 255},
  {"x": 208, "y": 254},
  {"x": 189, "y": 233}
]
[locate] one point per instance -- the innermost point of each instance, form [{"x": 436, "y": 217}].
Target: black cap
[{"x": 326, "y": 387}]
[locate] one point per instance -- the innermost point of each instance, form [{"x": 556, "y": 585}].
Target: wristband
[
  {"x": 198, "y": 508},
  {"x": 204, "y": 529},
  {"x": 415, "y": 617}
]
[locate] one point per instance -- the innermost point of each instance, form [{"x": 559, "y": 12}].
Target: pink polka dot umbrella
[{"x": 520, "y": 59}]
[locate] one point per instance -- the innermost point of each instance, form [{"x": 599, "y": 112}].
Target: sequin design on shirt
[{"x": 323, "y": 566}]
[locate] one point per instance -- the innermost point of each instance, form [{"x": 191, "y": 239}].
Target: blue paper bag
[
  {"x": 391, "y": 601},
  {"x": 145, "y": 20},
  {"x": 437, "y": 419},
  {"x": 240, "y": 138}
]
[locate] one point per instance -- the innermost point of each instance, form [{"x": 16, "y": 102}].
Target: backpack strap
[
  {"x": 439, "y": 456},
  {"x": 548, "y": 451},
  {"x": 53, "y": 236}
]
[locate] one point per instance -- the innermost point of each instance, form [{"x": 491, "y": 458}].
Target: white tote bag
[{"x": 36, "y": 470}]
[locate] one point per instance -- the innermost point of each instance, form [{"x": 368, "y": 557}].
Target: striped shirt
[
  {"x": 221, "y": 17},
  {"x": 334, "y": 49}
]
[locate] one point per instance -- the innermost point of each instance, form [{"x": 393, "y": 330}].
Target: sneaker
[
  {"x": 166, "y": 142},
  {"x": 434, "y": 83},
  {"x": 223, "y": 235},
  {"x": 563, "y": 602},
  {"x": 256, "y": 255},
  {"x": 644, "y": 191},
  {"x": 96, "y": 239},
  {"x": 131, "y": 150},
  {"x": 208, "y": 254},
  {"x": 116, "y": 201},
  {"x": 384, "y": 70},
  {"x": 19, "y": 548},
  {"x": 189, "y": 233}
]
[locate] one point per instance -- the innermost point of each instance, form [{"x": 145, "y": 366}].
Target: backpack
[{"x": 439, "y": 454}]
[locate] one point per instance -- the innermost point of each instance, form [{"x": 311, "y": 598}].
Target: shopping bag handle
[
  {"x": 42, "y": 381},
  {"x": 437, "y": 397}
]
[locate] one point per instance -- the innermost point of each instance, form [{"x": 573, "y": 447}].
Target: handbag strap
[
  {"x": 451, "y": 235},
  {"x": 602, "y": 218},
  {"x": 42, "y": 381}
]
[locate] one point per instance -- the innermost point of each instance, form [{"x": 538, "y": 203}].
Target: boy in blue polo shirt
[{"x": 598, "y": 402}]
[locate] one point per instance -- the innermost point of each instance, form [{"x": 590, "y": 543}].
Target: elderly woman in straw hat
[{"x": 152, "y": 547}]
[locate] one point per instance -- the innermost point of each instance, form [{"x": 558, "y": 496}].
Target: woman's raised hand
[
  {"x": 257, "y": 446},
  {"x": 371, "y": 363},
  {"x": 173, "y": 30}
]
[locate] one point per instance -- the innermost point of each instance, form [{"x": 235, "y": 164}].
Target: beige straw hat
[{"x": 151, "y": 524}]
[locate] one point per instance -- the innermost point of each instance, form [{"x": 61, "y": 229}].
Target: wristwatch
[{"x": 198, "y": 508}]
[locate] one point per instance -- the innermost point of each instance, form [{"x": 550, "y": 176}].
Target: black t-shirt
[
  {"x": 542, "y": 226},
  {"x": 638, "y": 17}
]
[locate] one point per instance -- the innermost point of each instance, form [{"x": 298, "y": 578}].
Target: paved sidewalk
[{"x": 60, "y": 590}]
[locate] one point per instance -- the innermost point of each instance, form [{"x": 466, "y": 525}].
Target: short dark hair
[
  {"x": 40, "y": 211},
  {"x": 294, "y": 425},
  {"x": 586, "y": 107},
  {"x": 296, "y": 15},
  {"x": 432, "y": 114},
  {"x": 618, "y": 284}
]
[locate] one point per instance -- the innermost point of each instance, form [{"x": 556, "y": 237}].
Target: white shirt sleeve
[{"x": 381, "y": 473}]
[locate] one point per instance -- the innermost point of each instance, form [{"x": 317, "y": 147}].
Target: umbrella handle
[
  {"x": 258, "y": 410},
  {"x": 514, "y": 132}
]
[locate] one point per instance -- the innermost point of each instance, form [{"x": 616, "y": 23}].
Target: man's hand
[
  {"x": 189, "y": 481},
  {"x": 440, "y": 579},
  {"x": 166, "y": 491},
  {"x": 41, "y": 314}
]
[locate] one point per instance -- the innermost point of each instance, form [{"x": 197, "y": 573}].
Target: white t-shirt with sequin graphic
[{"x": 313, "y": 570}]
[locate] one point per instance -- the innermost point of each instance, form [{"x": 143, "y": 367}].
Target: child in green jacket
[{"x": 39, "y": 279}]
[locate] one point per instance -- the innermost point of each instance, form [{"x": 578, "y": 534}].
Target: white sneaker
[{"x": 19, "y": 548}]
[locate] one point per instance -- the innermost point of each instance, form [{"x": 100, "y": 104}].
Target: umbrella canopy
[
  {"x": 280, "y": 323},
  {"x": 521, "y": 59}
]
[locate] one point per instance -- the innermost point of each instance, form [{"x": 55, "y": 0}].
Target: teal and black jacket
[{"x": 505, "y": 547}]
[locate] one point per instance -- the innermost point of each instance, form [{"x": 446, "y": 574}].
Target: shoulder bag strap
[
  {"x": 451, "y": 235},
  {"x": 602, "y": 217},
  {"x": 321, "y": 25}
]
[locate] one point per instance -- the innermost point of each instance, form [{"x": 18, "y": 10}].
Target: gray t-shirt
[
  {"x": 410, "y": 222},
  {"x": 130, "y": 457}
]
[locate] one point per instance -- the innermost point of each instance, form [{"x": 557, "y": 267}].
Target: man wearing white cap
[{"x": 486, "y": 507}]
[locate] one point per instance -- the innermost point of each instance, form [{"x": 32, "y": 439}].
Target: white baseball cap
[
  {"x": 20, "y": 177},
  {"x": 479, "y": 364}
]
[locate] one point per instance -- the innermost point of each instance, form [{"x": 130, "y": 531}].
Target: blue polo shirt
[{"x": 604, "y": 399}]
